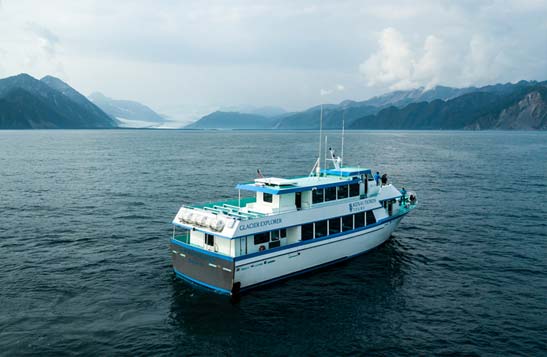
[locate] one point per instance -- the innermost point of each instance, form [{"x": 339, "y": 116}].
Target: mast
[
  {"x": 342, "y": 153},
  {"x": 326, "y": 146},
  {"x": 318, "y": 168}
]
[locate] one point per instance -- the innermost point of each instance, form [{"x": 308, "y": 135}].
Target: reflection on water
[{"x": 350, "y": 291}]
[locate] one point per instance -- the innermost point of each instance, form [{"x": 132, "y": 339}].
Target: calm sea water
[{"x": 85, "y": 265}]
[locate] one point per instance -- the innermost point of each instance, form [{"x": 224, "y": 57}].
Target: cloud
[
  {"x": 337, "y": 88},
  {"x": 48, "y": 40},
  {"x": 457, "y": 58},
  {"x": 325, "y": 91},
  {"x": 392, "y": 63},
  {"x": 45, "y": 52},
  {"x": 225, "y": 53}
]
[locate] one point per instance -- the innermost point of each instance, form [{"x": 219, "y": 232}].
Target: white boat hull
[{"x": 270, "y": 267}]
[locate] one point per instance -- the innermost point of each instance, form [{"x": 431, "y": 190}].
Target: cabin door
[
  {"x": 298, "y": 200},
  {"x": 242, "y": 245}
]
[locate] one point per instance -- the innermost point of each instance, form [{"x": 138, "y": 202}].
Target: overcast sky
[{"x": 184, "y": 56}]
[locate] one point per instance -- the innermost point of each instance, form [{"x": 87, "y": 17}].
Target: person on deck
[
  {"x": 377, "y": 178},
  {"x": 403, "y": 192},
  {"x": 384, "y": 179}
]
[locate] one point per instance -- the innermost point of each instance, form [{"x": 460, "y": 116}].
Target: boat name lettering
[
  {"x": 252, "y": 225},
  {"x": 360, "y": 205}
]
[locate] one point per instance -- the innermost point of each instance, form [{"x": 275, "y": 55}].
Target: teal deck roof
[
  {"x": 346, "y": 171},
  {"x": 299, "y": 184}
]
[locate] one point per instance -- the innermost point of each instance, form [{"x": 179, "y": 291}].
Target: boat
[{"x": 287, "y": 227}]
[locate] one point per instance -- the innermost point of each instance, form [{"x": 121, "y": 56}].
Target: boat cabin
[{"x": 287, "y": 211}]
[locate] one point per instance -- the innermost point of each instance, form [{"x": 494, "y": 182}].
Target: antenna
[
  {"x": 326, "y": 146},
  {"x": 342, "y": 153},
  {"x": 318, "y": 168}
]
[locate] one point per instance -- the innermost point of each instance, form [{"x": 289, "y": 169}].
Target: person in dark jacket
[{"x": 384, "y": 179}]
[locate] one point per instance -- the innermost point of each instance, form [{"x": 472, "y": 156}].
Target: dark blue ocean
[{"x": 85, "y": 264}]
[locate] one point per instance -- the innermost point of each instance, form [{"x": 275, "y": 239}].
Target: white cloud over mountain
[{"x": 289, "y": 54}]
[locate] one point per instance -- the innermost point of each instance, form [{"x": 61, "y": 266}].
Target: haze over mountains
[
  {"x": 518, "y": 106},
  {"x": 50, "y": 103},
  {"x": 128, "y": 113}
]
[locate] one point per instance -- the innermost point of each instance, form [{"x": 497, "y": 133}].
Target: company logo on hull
[
  {"x": 360, "y": 205},
  {"x": 269, "y": 222}
]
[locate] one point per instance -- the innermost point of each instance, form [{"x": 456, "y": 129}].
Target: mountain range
[
  {"x": 50, "y": 103},
  {"x": 509, "y": 106}
]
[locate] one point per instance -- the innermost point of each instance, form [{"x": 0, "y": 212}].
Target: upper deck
[{"x": 329, "y": 178}]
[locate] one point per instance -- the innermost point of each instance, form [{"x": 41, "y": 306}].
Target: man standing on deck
[{"x": 377, "y": 178}]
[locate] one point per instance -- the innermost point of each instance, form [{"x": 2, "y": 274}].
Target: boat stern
[{"x": 202, "y": 267}]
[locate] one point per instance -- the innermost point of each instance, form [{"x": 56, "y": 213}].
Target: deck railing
[
  {"x": 233, "y": 202},
  {"x": 229, "y": 207}
]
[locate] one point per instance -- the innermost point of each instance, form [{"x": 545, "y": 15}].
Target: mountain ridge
[
  {"x": 29, "y": 103},
  {"x": 417, "y": 106}
]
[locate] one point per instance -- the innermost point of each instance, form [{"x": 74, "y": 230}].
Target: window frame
[
  {"x": 322, "y": 225},
  {"x": 314, "y": 195},
  {"x": 368, "y": 215},
  {"x": 330, "y": 193},
  {"x": 264, "y": 240},
  {"x": 307, "y": 225},
  {"x": 269, "y": 195},
  {"x": 363, "y": 221},
  {"x": 346, "y": 195},
  {"x": 350, "y": 227},
  {"x": 352, "y": 188},
  {"x": 339, "y": 225}
]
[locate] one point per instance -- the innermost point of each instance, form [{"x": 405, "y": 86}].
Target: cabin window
[
  {"x": 267, "y": 197},
  {"x": 359, "y": 219},
  {"x": 390, "y": 207},
  {"x": 274, "y": 244},
  {"x": 275, "y": 235},
  {"x": 307, "y": 231},
  {"x": 330, "y": 193},
  {"x": 262, "y": 238},
  {"x": 210, "y": 240},
  {"x": 334, "y": 225},
  {"x": 354, "y": 189},
  {"x": 347, "y": 223},
  {"x": 370, "y": 218},
  {"x": 320, "y": 229},
  {"x": 342, "y": 192},
  {"x": 317, "y": 195}
]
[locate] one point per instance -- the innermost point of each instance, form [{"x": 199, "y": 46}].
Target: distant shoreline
[{"x": 276, "y": 130}]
